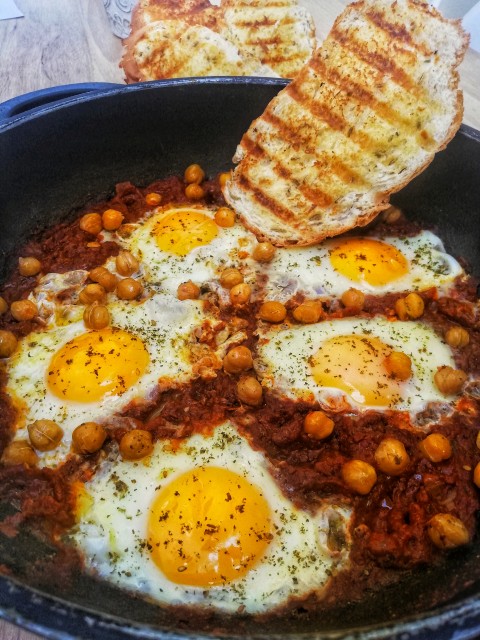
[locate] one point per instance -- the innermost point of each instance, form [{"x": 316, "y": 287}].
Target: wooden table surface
[{"x": 67, "y": 42}]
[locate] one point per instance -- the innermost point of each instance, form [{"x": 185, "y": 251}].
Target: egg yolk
[
  {"x": 184, "y": 230},
  {"x": 355, "y": 364},
  {"x": 368, "y": 260},
  {"x": 208, "y": 527},
  {"x": 95, "y": 364}
]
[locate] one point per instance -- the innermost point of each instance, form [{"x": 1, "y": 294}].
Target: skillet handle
[{"x": 31, "y": 102}]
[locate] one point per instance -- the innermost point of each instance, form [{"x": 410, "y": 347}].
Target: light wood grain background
[{"x": 68, "y": 41}]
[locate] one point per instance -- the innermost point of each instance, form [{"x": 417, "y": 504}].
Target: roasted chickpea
[
  {"x": 225, "y": 217},
  {"x": 3, "y": 306},
  {"x": 129, "y": 289},
  {"x": 112, "y": 219},
  {"x": 194, "y": 174},
  {"x": 126, "y": 263},
  {"x": 238, "y": 359},
  {"x": 91, "y": 223},
  {"x": 224, "y": 178},
  {"x": 92, "y": 293},
  {"x": 88, "y": 437},
  {"x": 436, "y": 447},
  {"x": 19, "y": 452},
  {"x": 188, "y": 291},
  {"x": 392, "y": 215},
  {"x": 8, "y": 343},
  {"x": 45, "y": 435},
  {"x": 96, "y": 316},
  {"x": 457, "y": 337},
  {"x": 272, "y": 311},
  {"x": 103, "y": 276},
  {"x": 449, "y": 381},
  {"x": 412, "y": 306},
  {"x": 263, "y": 252},
  {"x": 23, "y": 310},
  {"x": 240, "y": 294},
  {"x": 308, "y": 312},
  {"x": 391, "y": 457},
  {"x": 230, "y": 278},
  {"x": 359, "y": 476},
  {"x": 136, "y": 444},
  {"x": 29, "y": 266},
  {"x": 398, "y": 365},
  {"x": 447, "y": 531},
  {"x": 353, "y": 298},
  {"x": 318, "y": 425},
  {"x": 194, "y": 191},
  {"x": 153, "y": 199},
  {"x": 476, "y": 475},
  {"x": 249, "y": 391}
]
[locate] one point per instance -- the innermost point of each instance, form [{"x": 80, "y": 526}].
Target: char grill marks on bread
[{"x": 365, "y": 115}]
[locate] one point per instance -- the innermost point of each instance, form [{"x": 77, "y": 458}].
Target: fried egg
[
  {"x": 204, "y": 524},
  {"x": 341, "y": 363},
  {"x": 69, "y": 374}
]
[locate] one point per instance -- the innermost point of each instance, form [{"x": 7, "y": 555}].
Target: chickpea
[
  {"x": 412, "y": 306},
  {"x": 308, "y": 312},
  {"x": 194, "y": 174},
  {"x": 359, "y": 476},
  {"x": 23, "y": 310},
  {"x": 129, "y": 289},
  {"x": 112, "y": 219},
  {"x": 447, "y": 531},
  {"x": 45, "y": 435},
  {"x": 225, "y": 217},
  {"x": 126, "y": 263},
  {"x": 3, "y": 306},
  {"x": 272, "y": 311},
  {"x": 238, "y": 359},
  {"x": 103, "y": 276},
  {"x": 249, "y": 391},
  {"x": 19, "y": 452},
  {"x": 476, "y": 475},
  {"x": 398, "y": 365},
  {"x": 8, "y": 343},
  {"x": 96, "y": 316},
  {"x": 230, "y": 277},
  {"x": 153, "y": 199},
  {"x": 224, "y": 178},
  {"x": 449, "y": 381},
  {"x": 392, "y": 215},
  {"x": 92, "y": 293},
  {"x": 188, "y": 291},
  {"x": 457, "y": 337},
  {"x": 353, "y": 298},
  {"x": 436, "y": 447},
  {"x": 91, "y": 223},
  {"x": 263, "y": 252},
  {"x": 194, "y": 191},
  {"x": 136, "y": 444},
  {"x": 29, "y": 266},
  {"x": 88, "y": 437},
  {"x": 240, "y": 294},
  {"x": 318, "y": 425},
  {"x": 391, "y": 457}
]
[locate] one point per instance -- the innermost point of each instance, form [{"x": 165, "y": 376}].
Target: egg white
[
  {"x": 112, "y": 528},
  {"x": 164, "y": 325},
  {"x": 283, "y": 359}
]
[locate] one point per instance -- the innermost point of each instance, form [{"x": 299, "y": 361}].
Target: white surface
[{"x": 8, "y": 10}]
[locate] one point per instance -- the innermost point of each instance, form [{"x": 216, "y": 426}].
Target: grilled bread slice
[{"x": 367, "y": 113}]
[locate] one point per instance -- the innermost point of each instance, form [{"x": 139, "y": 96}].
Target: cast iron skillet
[{"x": 62, "y": 148}]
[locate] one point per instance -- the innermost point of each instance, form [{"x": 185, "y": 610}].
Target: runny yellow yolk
[
  {"x": 368, "y": 260},
  {"x": 355, "y": 364},
  {"x": 208, "y": 527},
  {"x": 184, "y": 230},
  {"x": 95, "y": 364}
]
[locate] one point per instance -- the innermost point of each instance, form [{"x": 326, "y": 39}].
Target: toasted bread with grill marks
[{"x": 364, "y": 116}]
